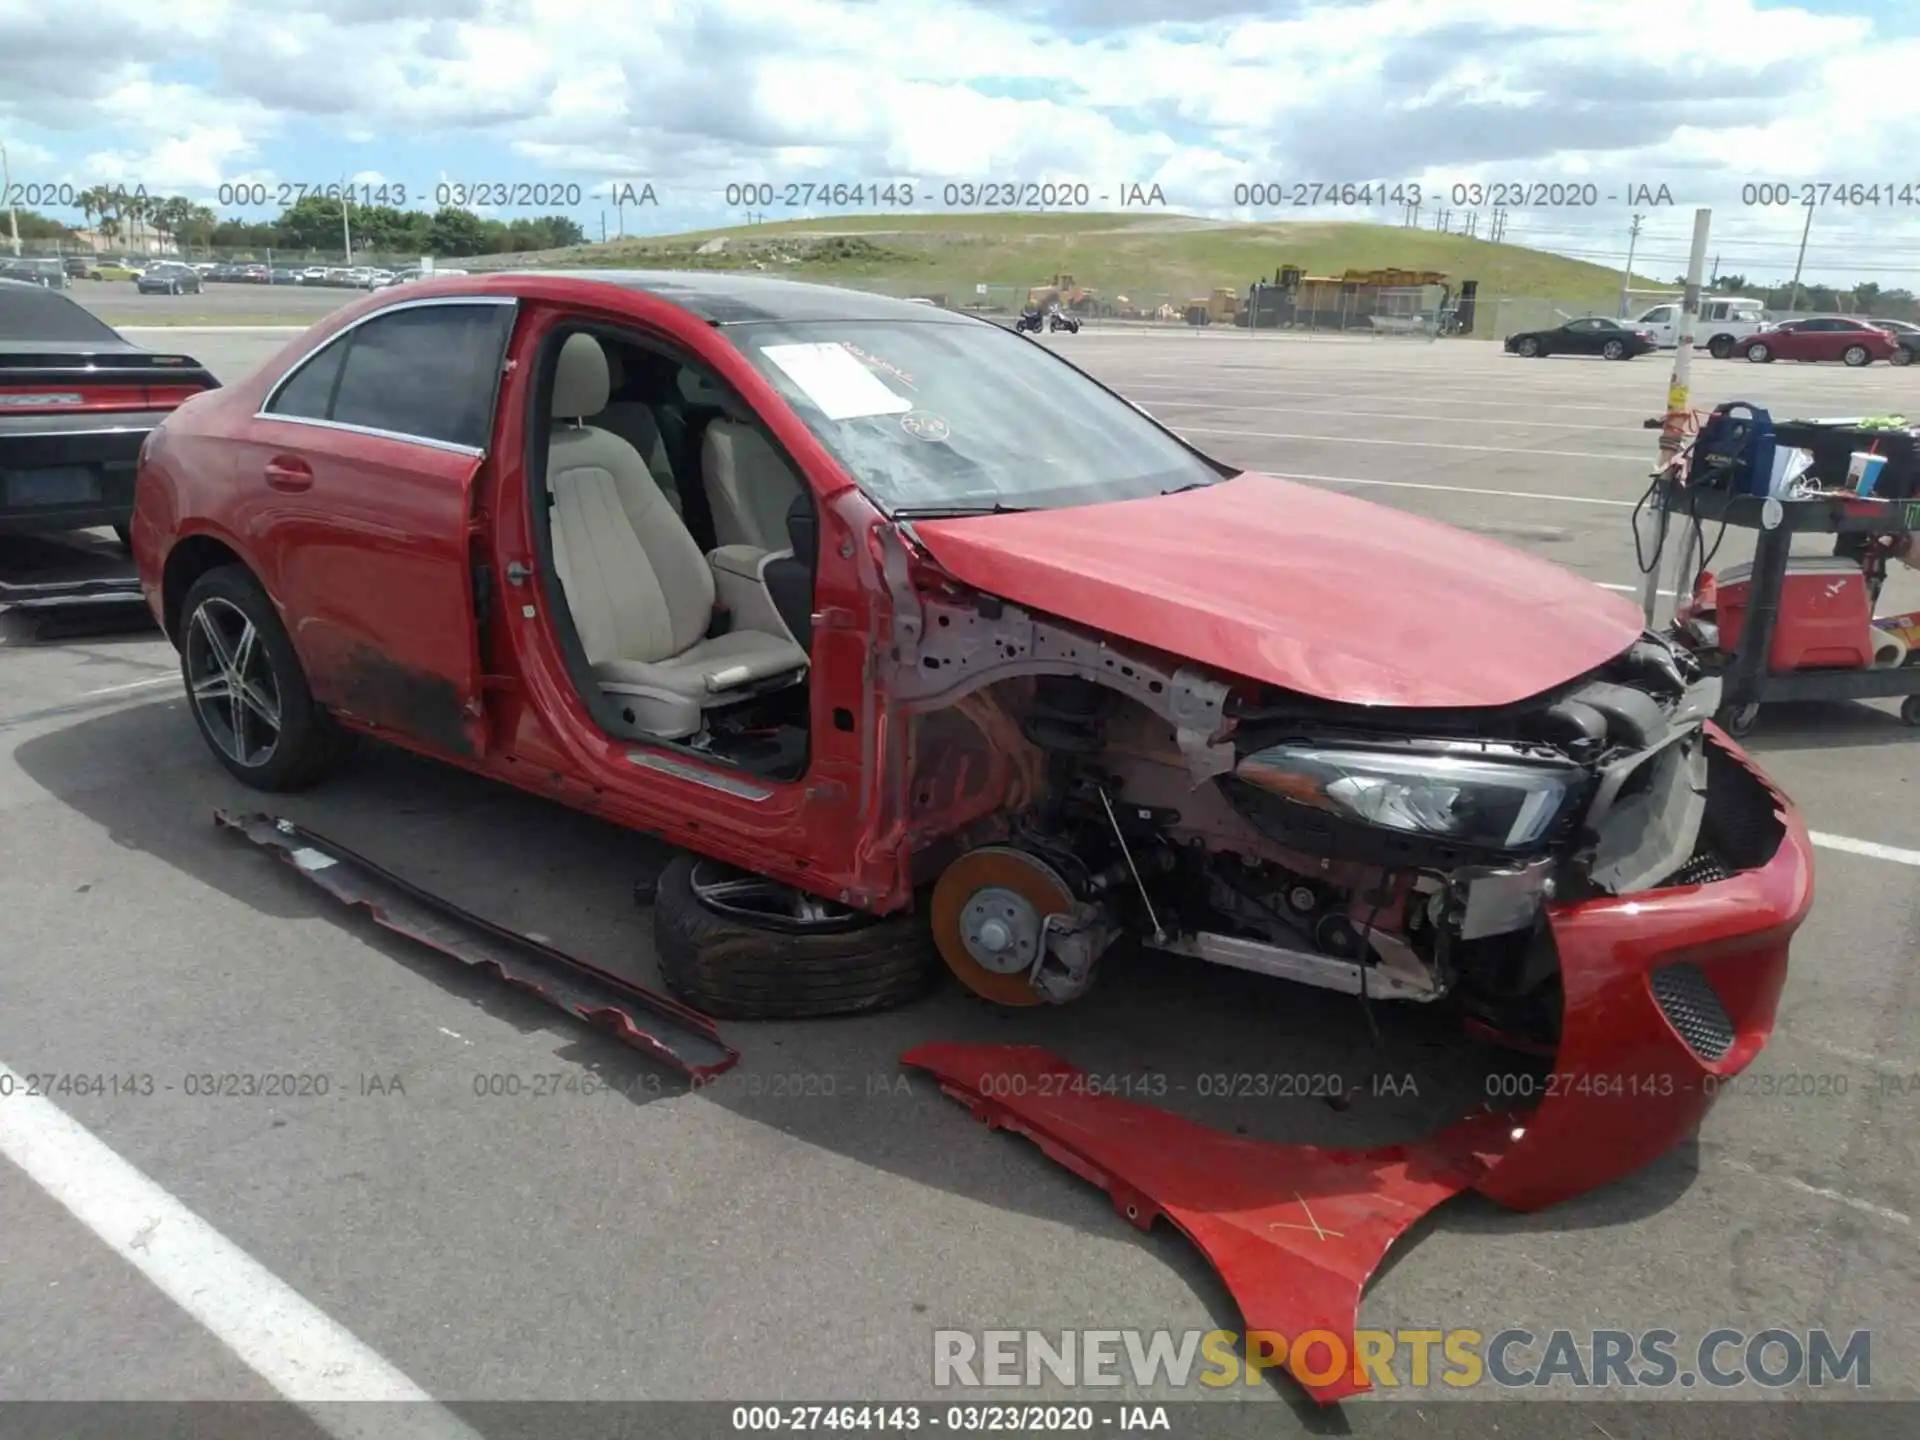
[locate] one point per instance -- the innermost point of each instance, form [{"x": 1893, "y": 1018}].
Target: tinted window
[
  {"x": 310, "y": 392},
  {"x": 33, "y": 312},
  {"x": 431, "y": 372},
  {"x": 943, "y": 414}
]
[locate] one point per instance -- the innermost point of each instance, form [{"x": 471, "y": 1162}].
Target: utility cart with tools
[{"x": 1792, "y": 628}]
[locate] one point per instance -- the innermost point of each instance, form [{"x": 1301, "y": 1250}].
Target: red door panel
[{"x": 366, "y": 541}]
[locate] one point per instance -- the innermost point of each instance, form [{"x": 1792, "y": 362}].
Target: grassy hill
[{"x": 1148, "y": 258}]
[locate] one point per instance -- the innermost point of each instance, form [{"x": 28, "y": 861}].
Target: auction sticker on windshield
[{"x": 830, "y": 376}]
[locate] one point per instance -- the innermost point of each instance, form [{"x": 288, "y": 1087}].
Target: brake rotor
[{"x": 989, "y": 916}]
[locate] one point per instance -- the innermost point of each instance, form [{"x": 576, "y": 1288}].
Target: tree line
[
  {"x": 311, "y": 223},
  {"x": 1866, "y": 298}
]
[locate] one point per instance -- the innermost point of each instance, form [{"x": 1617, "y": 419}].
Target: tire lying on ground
[{"x": 764, "y": 968}]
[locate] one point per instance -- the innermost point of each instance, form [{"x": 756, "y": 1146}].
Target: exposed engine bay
[{"x": 1389, "y": 853}]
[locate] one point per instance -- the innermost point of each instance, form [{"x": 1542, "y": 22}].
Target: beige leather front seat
[
  {"x": 749, "y": 487},
  {"x": 634, "y": 423},
  {"x": 641, "y": 592}
]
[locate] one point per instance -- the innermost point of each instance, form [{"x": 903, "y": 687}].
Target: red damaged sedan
[
  {"x": 924, "y": 646},
  {"x": 1821, "y": 337}
]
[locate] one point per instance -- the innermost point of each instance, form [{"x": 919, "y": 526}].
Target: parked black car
[
  {"x": 51, "y": 274},
  {"x": 169, "y": 277},
  {"x": 1593, "y": 335},
  {"x": 77, "y": 402},
  {"x": 76, "y": 266}
]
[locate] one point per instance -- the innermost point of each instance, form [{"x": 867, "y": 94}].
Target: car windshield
[
  {"x": 928, "y": 417},
  {"x": 33, "y": 312}
]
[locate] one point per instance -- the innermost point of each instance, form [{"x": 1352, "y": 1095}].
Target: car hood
[{"x": 1304, "y": 588}]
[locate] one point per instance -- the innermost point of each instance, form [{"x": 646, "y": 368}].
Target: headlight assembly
[{"x": 1469, "y": 800}]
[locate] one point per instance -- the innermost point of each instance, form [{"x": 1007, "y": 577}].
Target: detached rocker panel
[{"x": 675, "y": 1034}]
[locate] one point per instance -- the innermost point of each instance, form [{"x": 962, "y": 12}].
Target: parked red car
[
  {"x": 918, "y": 641},
  {"x": 1823, "y": 337}
]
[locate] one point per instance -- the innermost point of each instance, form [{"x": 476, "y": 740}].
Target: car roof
[{"x": 730, "y": 298}]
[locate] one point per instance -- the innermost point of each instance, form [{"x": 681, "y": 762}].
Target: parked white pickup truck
[{"x": 1722, "y": 324}]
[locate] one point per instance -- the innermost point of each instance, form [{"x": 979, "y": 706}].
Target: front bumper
[
  {"x": 1665, "y": 994},
  {"x": 1667, "y": 991}
]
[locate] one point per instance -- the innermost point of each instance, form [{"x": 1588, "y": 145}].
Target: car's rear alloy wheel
[
  {"x": 248, "y": 692},
  {"x": 1759, "y": 354},
  {"x": 743, "y": 947},
  {"x": 1614, "y": 350},
  {"x": 1857, "y": 355}
]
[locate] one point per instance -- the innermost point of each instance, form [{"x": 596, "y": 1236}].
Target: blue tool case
[{"x": 1734, "y": 450}]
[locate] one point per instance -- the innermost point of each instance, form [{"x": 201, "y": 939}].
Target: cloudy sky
[{"x": 1703, "y": 97}]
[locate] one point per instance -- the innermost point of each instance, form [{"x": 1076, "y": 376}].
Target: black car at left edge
[
  {"x": 1591, "y": 335},
  {"x": 77, "y": 401}
]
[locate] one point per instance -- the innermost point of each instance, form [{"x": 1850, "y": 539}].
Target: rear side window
[
  {"x": 309, "y": 394},
  {"x": 430, "y": 373}
]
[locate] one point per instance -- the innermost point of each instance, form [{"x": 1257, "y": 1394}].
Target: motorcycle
[
  {"x": 1028, "y": 323},
  {"x": 1059, "y": 320}
]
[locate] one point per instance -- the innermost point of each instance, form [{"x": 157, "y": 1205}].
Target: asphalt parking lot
[
  {"x": 118, "y": 302},
  {"x": 751, "y": 1241}
]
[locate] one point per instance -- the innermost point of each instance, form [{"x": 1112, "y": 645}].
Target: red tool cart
[{"x": 1787, "y": 627}]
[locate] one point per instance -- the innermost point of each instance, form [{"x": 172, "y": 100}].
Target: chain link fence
[{"x": 1509, "y": 315}]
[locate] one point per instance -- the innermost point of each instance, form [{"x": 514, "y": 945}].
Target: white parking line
[
  {"x": 1528, "y": 404},
  {"x": 1619, "y": 455},
  {"x": 131, "y": 685},
  {"x": 303, "y": 1354},
  {"x": 1629, "y": 589},
  {"x": 1394, "y": 415},
  {"x": 1871, "y": 849},
  {"x": 1452, "y": 489}
]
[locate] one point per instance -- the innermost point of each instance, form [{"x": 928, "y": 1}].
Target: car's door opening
[{"x": 654, "y": 499}]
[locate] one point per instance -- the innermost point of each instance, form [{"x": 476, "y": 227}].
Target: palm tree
[
  {"x": 137, "y": 208},
  {"x": 155, "y": 213},
  {"x": 110, "y": 213},
  {"x": 171, "y": 215},
  {"x": 96, "y": 204}
]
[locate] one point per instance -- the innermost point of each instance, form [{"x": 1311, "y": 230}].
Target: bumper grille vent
[
  {"x": 1704, "y": 868},
  {"x": 1688, "y": 1001}
]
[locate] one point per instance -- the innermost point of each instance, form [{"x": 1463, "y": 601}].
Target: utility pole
[
  {"x": 603, "y": 227},
  {"x": 1793, "y": 304},
  {"x": 346, "y": 233},
  {"x": 6, "y": 188},
  {"x": 1626, "y": 275},
  {"x": 1673, "y": 428}
]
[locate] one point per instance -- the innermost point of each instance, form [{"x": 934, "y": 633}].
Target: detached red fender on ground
[{"x": 1294, "y": 1231}]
